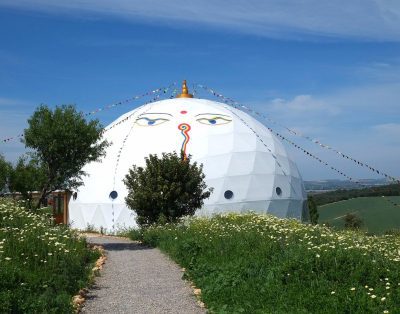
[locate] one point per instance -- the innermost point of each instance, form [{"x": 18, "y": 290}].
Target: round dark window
[
  {"x": 278, "y": 191},
  {"x": 113, "y": 195},
  {"x": 228, "y": 194}
]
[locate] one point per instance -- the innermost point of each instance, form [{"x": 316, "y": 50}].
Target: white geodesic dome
[{"x": 247, "y": 166}]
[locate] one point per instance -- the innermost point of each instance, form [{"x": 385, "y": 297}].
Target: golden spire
[{"x": 185, "y": 91}]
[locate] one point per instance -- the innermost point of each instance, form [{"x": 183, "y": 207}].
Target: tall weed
[{"x": 41, "y": 265}]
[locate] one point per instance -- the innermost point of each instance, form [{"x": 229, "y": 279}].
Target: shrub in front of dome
[{"x": 166, "y": 189}]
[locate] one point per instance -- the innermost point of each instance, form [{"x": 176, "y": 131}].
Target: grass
[
  {"x": 261, "y": 264},
  {"x": 41, "y": 265},
  {"x": 377, "y": 213}
]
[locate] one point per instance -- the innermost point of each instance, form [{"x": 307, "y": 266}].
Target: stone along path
[{"x": 138, "y": 279}]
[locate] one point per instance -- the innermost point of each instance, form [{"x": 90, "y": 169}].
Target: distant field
[{"x": 377, "y": 213}]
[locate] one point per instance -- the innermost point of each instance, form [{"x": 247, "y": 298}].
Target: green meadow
[
  {"x": 378, "y": 213},
  {"x": 261, "y": 264}
]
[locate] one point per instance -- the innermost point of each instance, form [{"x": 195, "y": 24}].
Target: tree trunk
[{"x": 43, "y": 195}]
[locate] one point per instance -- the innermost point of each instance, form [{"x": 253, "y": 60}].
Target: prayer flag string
[
  {"x": 156, "y": 98},
  {"x": 296, "y": 146},
  {"x": 316, "y": 157},
  {"x": 129, "y": 132},
  {"x": 265, "y": 145},
  {"x": 230, "y": 101},
  {"x": 160, "y": 90},
  {"x": 12, "y": 138},
  {"x": 235, "y": 104}
]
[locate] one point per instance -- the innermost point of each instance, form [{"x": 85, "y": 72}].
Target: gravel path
[{"x": 137, "y": 279}]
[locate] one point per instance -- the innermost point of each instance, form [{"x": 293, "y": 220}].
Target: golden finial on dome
[{"x": 185, "y": 91}]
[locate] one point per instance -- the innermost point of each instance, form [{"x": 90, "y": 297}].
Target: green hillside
[
  {"x": 377, "y": 213},
  {"x": 342, "y": 195}
]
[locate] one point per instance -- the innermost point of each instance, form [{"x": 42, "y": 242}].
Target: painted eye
[
  {"x": 144, "y": 121},
  {"x": 214, "y": 120}
]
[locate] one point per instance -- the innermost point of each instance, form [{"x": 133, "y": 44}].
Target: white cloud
[
  {"x": 364, "y": 19},
  {"x": 388, "y": 129},
  {"x": 379, "y": 71},
  {"x": 9, "y": 102},
  {"x": 307, "y": 114},
  {"x": 373, "y": 98},
  {"x": 302, "y": 104},
  {"x": 132, "y": 42}
]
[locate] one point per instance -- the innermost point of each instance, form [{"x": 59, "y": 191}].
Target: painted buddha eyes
[
  {"x": 152, "y": 119},
  {"x": 213, "y": 119},
  {"x": 150, "y": 122}
]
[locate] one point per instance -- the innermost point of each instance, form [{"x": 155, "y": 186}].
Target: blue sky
[{"x": 330, "y": 69}]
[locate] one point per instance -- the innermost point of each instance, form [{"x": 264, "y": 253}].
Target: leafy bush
[
  {"x": 168, "y": 188},
  {"x": 134, "y": 234},
  {"x": 42, "y": 266},
  {"x": 262, "y": 264},
  {"x": 27, "y": 176},
  {"x": 352, "y": 221}
]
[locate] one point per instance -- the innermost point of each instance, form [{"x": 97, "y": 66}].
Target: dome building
[{"x": 247, "y": 166}]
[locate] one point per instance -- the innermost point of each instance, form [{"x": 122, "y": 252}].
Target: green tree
[
  {"x": 5, "y": 171},
  {"x": 166, "y": 189},
  {"x": 63, "y": 141},
  {"x": 313, "y": 210},
  {"x": 352, "y": 221},
  {"x": 27, "y": 176}
]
